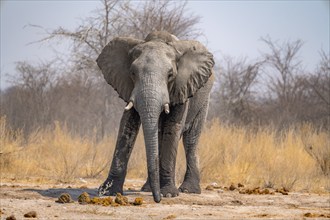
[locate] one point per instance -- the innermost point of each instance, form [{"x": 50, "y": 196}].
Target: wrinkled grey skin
[{"x": 148, "y": 75}]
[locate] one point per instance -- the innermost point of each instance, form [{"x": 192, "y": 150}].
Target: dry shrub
[
  {"x": 231, "y": 154},
  {"x": 54, "y": 153},
  {"x": 317, "y": 145},
  {"x": 10, "y": 147},
  {"x": 228, "y": 154}
]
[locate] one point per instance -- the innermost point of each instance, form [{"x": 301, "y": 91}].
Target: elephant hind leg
[{"x": 191, "y": 183}]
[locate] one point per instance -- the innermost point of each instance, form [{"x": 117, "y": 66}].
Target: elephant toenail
[{"x": 168, "y": 195}]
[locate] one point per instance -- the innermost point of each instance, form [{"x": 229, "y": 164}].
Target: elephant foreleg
[
  {"x": 129, "y": 128},
  {"x": 191, "y": 183},
  {"x": 172, "y": 127}
]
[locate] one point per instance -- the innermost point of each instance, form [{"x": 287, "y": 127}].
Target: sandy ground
[{"x": 18, "y": 199}]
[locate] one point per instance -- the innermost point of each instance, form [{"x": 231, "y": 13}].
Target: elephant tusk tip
[
  {"x": 167, "y": 108},
  {"x": 129, "y": 106}
]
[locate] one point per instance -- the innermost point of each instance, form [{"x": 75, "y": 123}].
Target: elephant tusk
[
  {"x": 129, "y": 106},
  {"x": 174, "y": 37},
  {"x": 167, "y": 108}
]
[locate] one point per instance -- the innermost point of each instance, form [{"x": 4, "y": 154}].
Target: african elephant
[{"x": 166, "y": 84}]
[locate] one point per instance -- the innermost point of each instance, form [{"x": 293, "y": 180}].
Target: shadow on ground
[
  {"x": 74, "y": 192},
  {"x": 56, "y": 192}
]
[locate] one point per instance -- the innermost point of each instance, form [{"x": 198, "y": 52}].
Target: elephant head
[{"x": 152, "y": 76}]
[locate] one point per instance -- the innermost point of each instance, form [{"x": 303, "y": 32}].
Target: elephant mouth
[
  {"x": 148, "y": 95},
  {"x": 130, "y": 105}
]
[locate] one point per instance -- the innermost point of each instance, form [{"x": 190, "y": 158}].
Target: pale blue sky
[{"x": 231, "y": 27}]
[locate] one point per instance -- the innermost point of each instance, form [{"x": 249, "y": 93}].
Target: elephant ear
[
  {"x": 115, "y": 61},
  {"x": 194, "y": 68}
]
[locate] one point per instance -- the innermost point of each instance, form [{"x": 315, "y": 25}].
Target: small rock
[
  {"x": 82, "y": 180},
  {"x": 232, "y": 187},
  {"x": 256, "y": 190},
  {"x": 283, "y": 191},
  {"x": 170, "y": 217},
  {"x": 237, "y": 202},
  {"x": 240, "y": 185},
  {"x": 214, "y": 184},
  {"x": 308, "y": 214},
  {"x": 209, "y": 187},
  {"x": 12, "y": 217},
  {"x": 265, "y": 191},
  {"x": 32, "y": 214}
]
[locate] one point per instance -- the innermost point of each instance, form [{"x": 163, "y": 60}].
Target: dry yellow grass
[
  {"x": 264, "y": 158},
  {"x": 52, "y": 153},
  {"x": 295, "y": 159}
]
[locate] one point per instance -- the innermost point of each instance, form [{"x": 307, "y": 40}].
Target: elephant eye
[
  {"x": 132, "y": 75},
  {"x": 133, "y": 70}
]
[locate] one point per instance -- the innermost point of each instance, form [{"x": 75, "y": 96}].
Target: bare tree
[
  {"x": 80, "y": 97},
  {"x": 320, "y": 82},
  {"x": 160, "y": 15},
  {"x": 124, "y": 18},
  {"x": 233, "y": 98},
  {"x": 273, "y": 91},
  {"x": 27, "y": 103},
  {"x": 285, "y": 84},
  {"x": 283, "y": 60},
  {"x": 318, "y": 89},
  {"x": 39, "y": 97}
]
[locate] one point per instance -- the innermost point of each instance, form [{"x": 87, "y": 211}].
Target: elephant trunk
[
  {"x": 150, "y": 130},
  {"x": 150, "y": 103}
]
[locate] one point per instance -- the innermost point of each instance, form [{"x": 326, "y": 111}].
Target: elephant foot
[
  {"x": 169, "y": 191},
  {"x": 110, "y": 188},
  {"x": 146, "y": 187},
  {"x": 166, "y": 190},
  {"x": 190, "y": 187}
]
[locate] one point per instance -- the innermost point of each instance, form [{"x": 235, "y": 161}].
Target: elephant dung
[
  {"x": 64, "y": 198},
  {"x": 84, "y": 198},
  {"x": 121, "y": 200},
  {"x": 138, "y": 201}
]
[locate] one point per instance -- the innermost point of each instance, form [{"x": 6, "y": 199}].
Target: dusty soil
[{"x": 19, "y": 199}]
